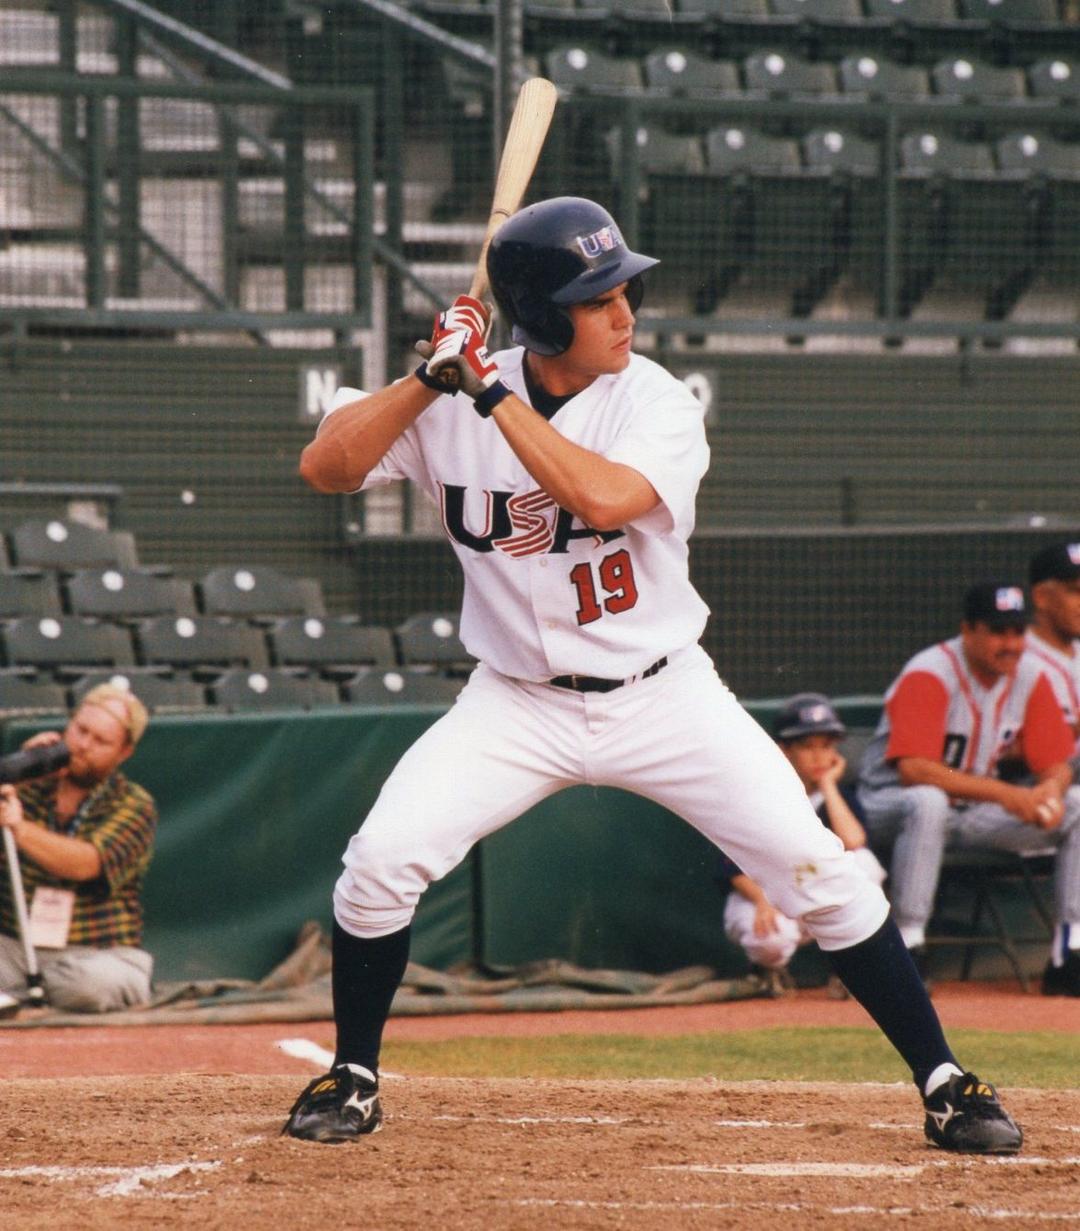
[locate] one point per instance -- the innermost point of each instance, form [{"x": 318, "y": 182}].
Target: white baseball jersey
[
  {"x": 1063, "y": 671},
  {"x": 546, "y": 595},
  {"x": 938, "y": 709}
]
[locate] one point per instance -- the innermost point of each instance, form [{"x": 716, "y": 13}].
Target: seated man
[
  {"x": 809, "y": 732},
  {"x": 972, "y": 751},
  {"x": 84, "y": 837}
]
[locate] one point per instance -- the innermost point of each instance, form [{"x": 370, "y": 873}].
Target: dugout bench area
[{"x": 257, "y": 808}]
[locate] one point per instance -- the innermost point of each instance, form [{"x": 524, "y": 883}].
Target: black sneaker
[
  {"x": 339, "y": 1106},
  {"x": 1063, "y": 980},
  {"x": 964, "y": 1114}
]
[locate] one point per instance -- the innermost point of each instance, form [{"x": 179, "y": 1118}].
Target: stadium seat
[
  {"x": 967, "y": 79},
  {"x": 968, "y": 226},
  {"x": 29, "y": 694},
  {"x": 782, "y": 74},
  {"x": 202, "y": 644},
  {"x": 258, "y": 592},
  {"x": 270, "y": 688},
  {"x": 66, "y": 546},
  {"x": 127, "y": 594},
  {"x": 920, "y": 29},
  {"x": 774, "y": 228},
  {"x": 400, "y": 686},
  {"x": 867, "y": 75},
  {"x": 430, "y": 638},
  {"x": 818, "y": 10},
  {"x": 156, "y": 692},
  {"x": 332, "y": 645},
  {"x": 835, "y": 151},
  {"x": 1055, "y": 77},
  {"x": 659, "y": 152},
  {"x": 27, "y": 594},
  {"x": 65, "y": 645},
  {"x": 1018, "y": 15},
  {"x": 581, "y": 68},
  {"x": 681, "y": 71},
  {"x": 913, "y": 12},
  {"x": 1050, "y": 170}
]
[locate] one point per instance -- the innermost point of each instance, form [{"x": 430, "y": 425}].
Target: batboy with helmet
[{"x": 553, "y": 254}]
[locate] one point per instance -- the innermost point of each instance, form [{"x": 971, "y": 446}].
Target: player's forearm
[
  {"x": 356, "y": 437},
  {"x": 1060, "y": 776},
  {"x": 843, "y": 822},
  {"x": 69, "y": 858},
  {"x": 602, "y": 494},
  {"x": 920, "y": 771}
]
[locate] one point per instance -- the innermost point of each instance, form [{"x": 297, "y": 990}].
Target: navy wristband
[
  {"x": 421, "y": 374},
  {"x": 486, "y": 402}
]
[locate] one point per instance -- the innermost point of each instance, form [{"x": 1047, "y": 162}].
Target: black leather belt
[{"x": 589, "y": 683}]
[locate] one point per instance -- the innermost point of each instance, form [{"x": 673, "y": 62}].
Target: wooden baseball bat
[
  {"x": 524, "y": 140},
  {"x": 35, "y": 989}
]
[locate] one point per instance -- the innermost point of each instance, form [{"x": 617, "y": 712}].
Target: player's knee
[{"x": 927, "y": 807}]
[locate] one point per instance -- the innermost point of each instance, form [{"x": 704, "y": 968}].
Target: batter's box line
[
  {"x": 785, "y": 1207},
  {"x": 130, "y": 1181},
  {"x": 902, "y": 1171}
]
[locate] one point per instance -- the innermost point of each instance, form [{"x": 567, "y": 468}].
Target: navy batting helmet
[{"x": 553, "y": 254}]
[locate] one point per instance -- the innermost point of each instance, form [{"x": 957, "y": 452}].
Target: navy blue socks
[{"x": 366, "y": 974}]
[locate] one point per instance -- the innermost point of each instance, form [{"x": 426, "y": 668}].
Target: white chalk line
[
  {"x": 852, "y": 1170},
  {"x": 308, "y": 1049},
  {"x": 129, "y": 1181},
  {"x": 527, "y": 1120},
  {"x": 785, "y": 1207}
]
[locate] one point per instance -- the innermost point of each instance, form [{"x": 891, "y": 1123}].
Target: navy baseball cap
[
  {"x": 999, "y": 604},
  {"x": 807, "y": 713},
  {"x": 1058, "y": 562}
]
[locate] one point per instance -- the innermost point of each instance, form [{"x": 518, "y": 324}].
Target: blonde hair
[{"x": 135, "y": 713}]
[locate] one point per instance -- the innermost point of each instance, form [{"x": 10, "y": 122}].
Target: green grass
[{"x": 1040, "y": 1059}]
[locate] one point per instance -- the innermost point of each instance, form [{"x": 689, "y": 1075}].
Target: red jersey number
[{"x": 616, "y": 575}]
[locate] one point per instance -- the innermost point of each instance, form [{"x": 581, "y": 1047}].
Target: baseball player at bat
[{"x": 566, "y": 470}]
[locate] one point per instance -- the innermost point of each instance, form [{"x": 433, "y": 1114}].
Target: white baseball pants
[{"x": 679, "y": 738}]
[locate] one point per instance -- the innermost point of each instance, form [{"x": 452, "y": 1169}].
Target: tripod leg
[{"x": 35, "y": 989}]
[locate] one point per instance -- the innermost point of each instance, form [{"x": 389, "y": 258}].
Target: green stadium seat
[
  {"x": 28, "y": 694},
  {"x": 127, "y": 594},
  {"x": 270, "y": 688},
  {"x": 968, "y": 226},
  {"x": 332, "y": 645},
  {"x": 201, "y": 644},
  {"x": 1055, "y": 77},
  {"x": 400, "y": 686},
  {"x": 658, "y": 151},
  {"x": 914, "y": 12},
  {"x": 258, "y": 592},
  {"x": 1051, "y": 172},
  {"x": 836, "y": 151},
  {"x": 583, "y": 69},
  {"x": 682, "y": 71},
  {"x": 65, "y": 645},
  {"x": 67, "y": 546},
  {"x": 430, "y": 639},
  {"x": 1017, "y": 15},
  {"x": 864, "y": 74},
  {"x": 773, "y": 227},
  {"x": 28, "y": 594},
  {"x": 157, "y": 692},
  {"x": 964, "y": 78},
  {"x": 782, "y": 74},
  {"x": 847, "y": 11}
]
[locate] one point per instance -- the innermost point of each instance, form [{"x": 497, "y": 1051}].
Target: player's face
[
  {"x": 603, "y": 334},
  {"x": 812, "y": 756},
  {"x": 1057, "y": 604},
  {"x": 992, "y": 652},
  {"x": 98, "y": 741}
]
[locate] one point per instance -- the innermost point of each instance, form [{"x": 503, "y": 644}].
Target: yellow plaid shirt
[{"x": 118, "y": 818}]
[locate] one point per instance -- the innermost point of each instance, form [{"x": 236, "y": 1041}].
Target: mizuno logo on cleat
[{"x": 941, "y": 1118}]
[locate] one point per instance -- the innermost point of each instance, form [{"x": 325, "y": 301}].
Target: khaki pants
[{"x": 81, "y": 978}]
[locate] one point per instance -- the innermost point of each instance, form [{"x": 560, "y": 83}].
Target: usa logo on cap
[
  {"x": 1009, "y": 598},
  {"x": 815, "y": 713},
  {"x": 1073, "y": 550},
  {"x": 607, "y": 239}
]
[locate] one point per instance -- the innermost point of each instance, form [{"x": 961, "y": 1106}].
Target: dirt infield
[
  {"x": 513, "y": 1155},
  {"x": 175, "y": 1127}
]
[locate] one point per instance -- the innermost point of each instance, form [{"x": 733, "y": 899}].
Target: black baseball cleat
[
  {"x": 965, "y": 1115},
  {"x": 1063, "y": 980},
  {"x": 339, "y": 1106}
]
